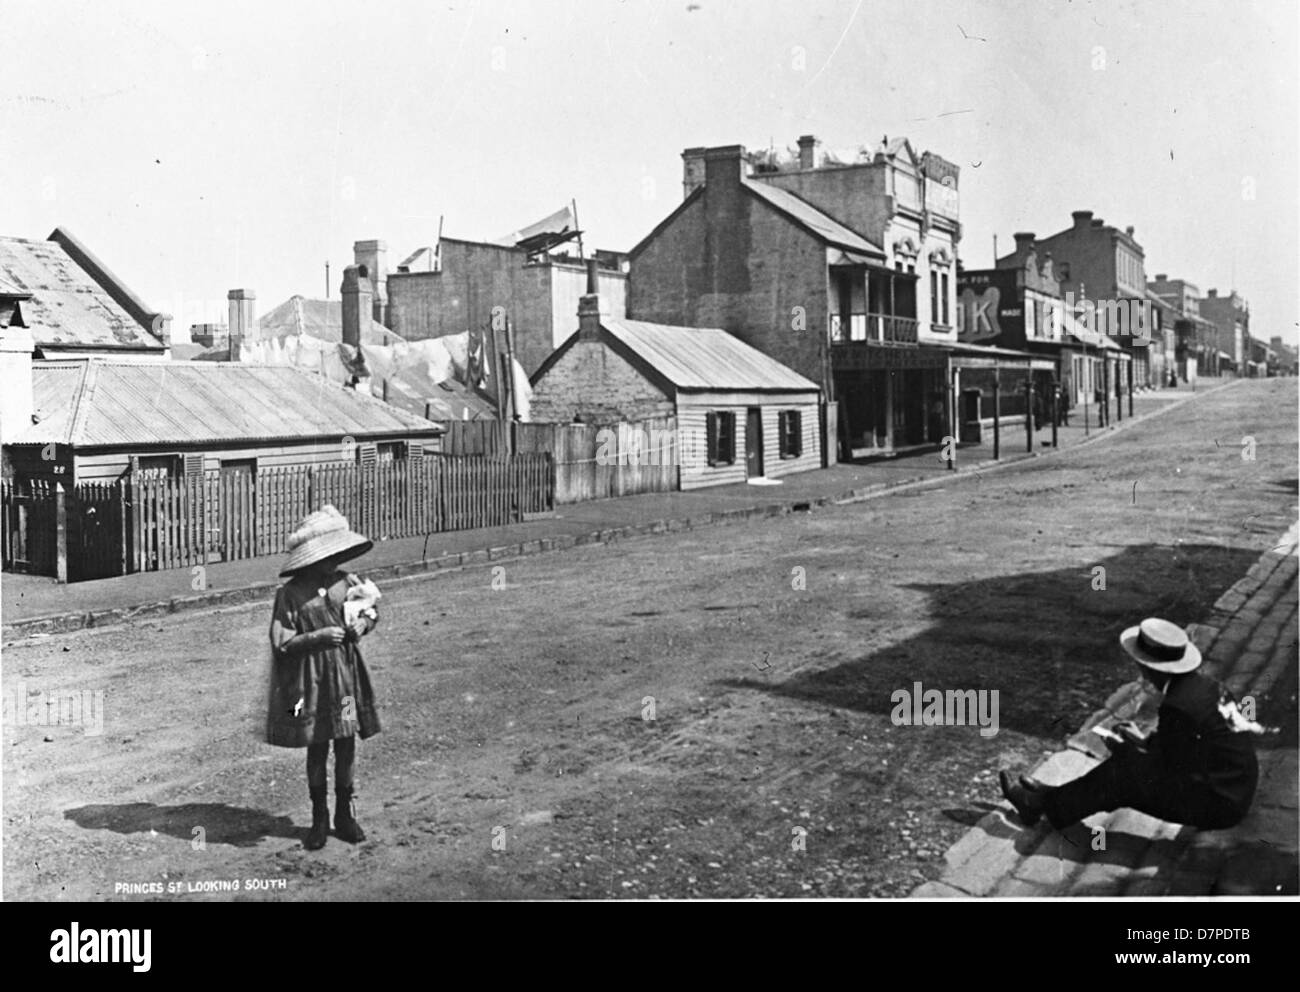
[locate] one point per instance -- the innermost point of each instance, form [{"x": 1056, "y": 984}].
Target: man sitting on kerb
[{"x": 1197, "y": 767}]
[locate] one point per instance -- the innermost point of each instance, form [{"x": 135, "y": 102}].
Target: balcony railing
[{"x": 880, "y": 328}]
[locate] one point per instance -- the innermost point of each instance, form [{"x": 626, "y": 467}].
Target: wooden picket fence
[{"x": 148, "y": 524}]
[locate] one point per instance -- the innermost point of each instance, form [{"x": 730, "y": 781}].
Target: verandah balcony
[{"x": 879, "y": 328}]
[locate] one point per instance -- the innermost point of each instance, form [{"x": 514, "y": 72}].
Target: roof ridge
[{"x": 81, "y": 400}]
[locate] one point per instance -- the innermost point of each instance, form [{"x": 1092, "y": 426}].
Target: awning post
[
  {"x": 951, "y": 439},
  {"x": 1029, "y": 412},
  {"x": 997, "y": 402}
]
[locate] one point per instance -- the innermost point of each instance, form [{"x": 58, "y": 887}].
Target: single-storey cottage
[{"x": 740, "y": 414}]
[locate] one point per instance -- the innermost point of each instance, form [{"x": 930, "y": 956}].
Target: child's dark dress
[{"x": 321, "y": 694}]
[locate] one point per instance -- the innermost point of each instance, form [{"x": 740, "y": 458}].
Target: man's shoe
[
  {"x": 1028, "y": 802},
  {"x": 345, "y": 824},
  {"x": 320, "y": 825},
  {"x": 1033, "y": 785}
]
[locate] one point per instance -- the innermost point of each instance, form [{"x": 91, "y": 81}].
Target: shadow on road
[
  {"x": 1047, "y": 641},
  {"x": 222, "y": 824}
]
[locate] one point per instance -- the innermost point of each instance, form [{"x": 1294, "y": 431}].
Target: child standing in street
[{"x": 320, "y": 689}]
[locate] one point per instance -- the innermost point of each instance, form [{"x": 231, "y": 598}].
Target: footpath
[
  {"x": 1250, "y": 643},
  {"x": 36, "y": 605}
]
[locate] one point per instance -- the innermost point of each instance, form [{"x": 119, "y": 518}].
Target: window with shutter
[
  {"x": 711, "y": 430},
  {"x": 193, "y": 465}
]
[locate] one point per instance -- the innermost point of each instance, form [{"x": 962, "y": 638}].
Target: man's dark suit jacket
[{"x": 1196, "y": 742}]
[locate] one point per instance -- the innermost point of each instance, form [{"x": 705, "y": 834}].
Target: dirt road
[{"x": 705, "y": 713}]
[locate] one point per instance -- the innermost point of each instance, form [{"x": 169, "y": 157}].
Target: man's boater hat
[{"x": 1161, "y": 646}]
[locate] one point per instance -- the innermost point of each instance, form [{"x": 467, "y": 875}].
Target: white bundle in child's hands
[{"x": 360, "y": 602}]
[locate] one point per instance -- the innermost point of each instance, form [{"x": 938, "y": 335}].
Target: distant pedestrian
[
  {"x": 320, "y": 689},
  {"x": 1198, "y": 767},
  {"x": 1037, "y": 399}
]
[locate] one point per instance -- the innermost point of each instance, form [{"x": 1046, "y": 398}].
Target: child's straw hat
[{"x": 323, "y": 534}]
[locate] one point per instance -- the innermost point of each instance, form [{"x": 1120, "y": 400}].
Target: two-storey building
[
  {"x": 1230, "y": 317},
  {"x": 1102, "y": 271},
  {"x": 842, "y": 268}
]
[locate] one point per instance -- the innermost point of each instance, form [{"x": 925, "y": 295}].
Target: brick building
[
  {"x": 1196, "y": 342},
  {"x": 1103, "y": 266},
  {"x": 841, "y": 268},
  {"x": 454, "y": 287},
  {"x": 1230, "y": 317},
  {"x": 1284, "y": 357},
  {"x": 1018, "y": 305}
]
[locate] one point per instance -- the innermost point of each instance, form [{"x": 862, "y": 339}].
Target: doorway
[{"x": 754, "y": 443}]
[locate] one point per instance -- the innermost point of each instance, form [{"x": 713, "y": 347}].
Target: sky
[{"x": 198, "y": 147}]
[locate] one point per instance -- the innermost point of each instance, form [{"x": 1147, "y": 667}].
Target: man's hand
[{"x": 1130, "y": 734}]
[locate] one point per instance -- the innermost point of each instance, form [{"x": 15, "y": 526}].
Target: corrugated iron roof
[
  {"x": 704, "y": 357},
  {"x": 9, "y": 289},
  {"x": 67, "y": 308},
  {"x": 115, "y": 403},
  {"x": 825, "y": 227}
]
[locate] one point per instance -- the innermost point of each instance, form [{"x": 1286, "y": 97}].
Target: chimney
[
  {"x": 807, "y": 151},
  {"x": 1081, "y": 218},
  {"x": 374, "y": 256},
  {"x": 1212, "y": 294},
  {"x": 692, "y": 170},
  {"x": 1098, "y": 222},
  {"x": 241, "y": 320},
  {"x": 1024, "y": 243},
  {"x": 358, "y": 303},
  {"x": 589, "y": 307},
  {"x": 724, "y": 166},
  {"x": 1129, "y": 230},
  {"x": 16, "y": 403},
  {"x": 1162, "y": 277}
]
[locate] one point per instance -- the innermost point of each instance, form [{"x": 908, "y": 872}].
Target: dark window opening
[
  {"x": 790, "y": 429},
  {"x": 721, "y": 428}
]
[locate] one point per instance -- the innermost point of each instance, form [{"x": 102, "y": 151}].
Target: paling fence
[
  {"x": 147, "y": 524},
  {"x": 591, "y": 461},
  {"x": 28, "y": 538}
]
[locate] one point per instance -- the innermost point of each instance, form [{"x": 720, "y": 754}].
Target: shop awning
[{"x": 991, "y": 356}]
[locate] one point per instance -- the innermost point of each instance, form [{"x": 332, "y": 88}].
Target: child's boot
[
  {"x": 320, "y": 822},
  {"x": 345, "y": 824}
]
